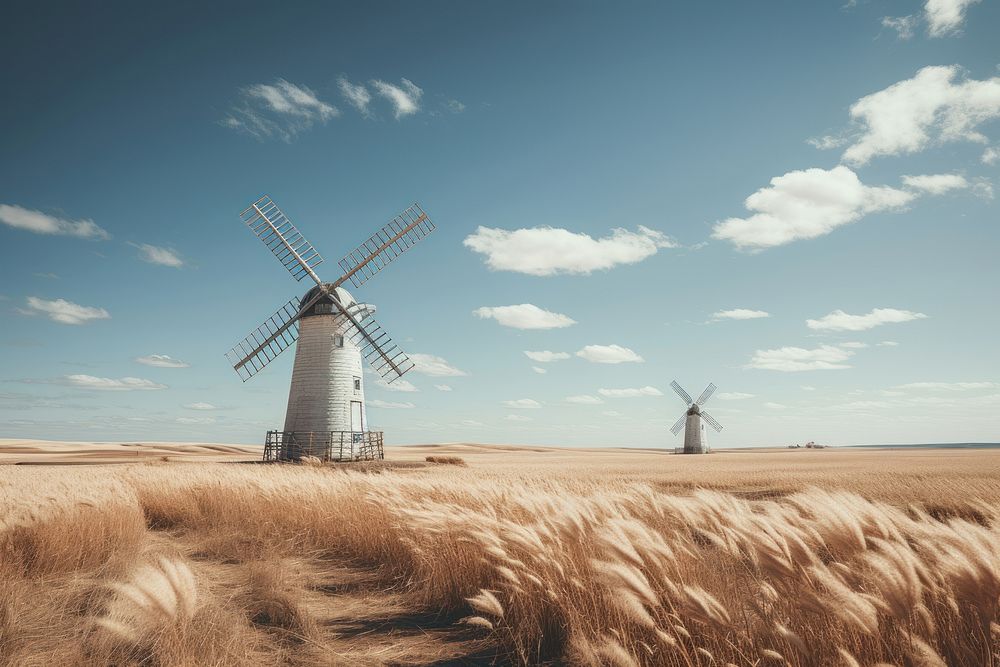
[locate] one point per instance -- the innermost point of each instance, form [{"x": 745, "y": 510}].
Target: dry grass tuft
[{"x": 446, "y": 460}]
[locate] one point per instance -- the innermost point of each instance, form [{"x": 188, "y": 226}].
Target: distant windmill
[
  {"x": 695, "y": 441},
  {"x": 326, "y": 414}
]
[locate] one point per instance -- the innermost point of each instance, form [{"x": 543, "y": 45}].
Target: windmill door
[{"x": 356, "y": 424}]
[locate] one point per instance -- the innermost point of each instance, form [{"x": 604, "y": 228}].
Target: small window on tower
[
  {"x": 338, "y": 340},
  {"x": 357, "y": 384}
]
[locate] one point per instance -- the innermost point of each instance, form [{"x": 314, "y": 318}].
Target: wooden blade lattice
[
  {"x": 385, "y": 245},
  {"x": 267, "y": 341},
  {"x": 278, "y": 233}
]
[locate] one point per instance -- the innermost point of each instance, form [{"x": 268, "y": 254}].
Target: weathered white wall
[
  {"x": 319, "y": 399},
  {"x": 693, "y": 442}
]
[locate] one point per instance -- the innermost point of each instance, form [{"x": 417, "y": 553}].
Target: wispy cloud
[
  {"x": 200, "y": 406},
  {"x": 404, "y": 98},
  {"x": 733, "y": 396},
  {"x": 545, "y": 356},
  {"x": 280, "y": 110},
  {"x": 517, "y": 418},
  {"x": 454, "y": 106},
  {"x": 523, "y": 404},
  {"x": 608, "y": 354},
  {"x": 854, "y": 345},
  {"x": 584, "y": 399},
  {"x": 43, "y": 223},
  {"x": 838, "y": 320},
  {"x": 111, "y": 384},
  {"x": 524, "y": 316},
  {"x": 389, "y": 405},
  {"x": 887, "y": 343},
  {"x": 64, "y": 312},
  {"x": 162, "y": 361},
  {"x": 939, "y": 105},
  {"x": 807, "y": 204},
  {"x": 442, "y": 387},
  {"x": 429, "y": 364},
  {"x": 356, "y": 95},
  {"x": 903, "y": 25},
  {"x": 399, "y": 384},
  {"x": 796, "y": 359},
  {"x": 630, "y": 393},
  {"x": 936, "y": 184},
  {"x": 158, "y": 255},
  {"x": 549, "y": 251},
  {"x": 539, "y": 370},
  {"x": 948, "y": 386},
  {"x": 740, "y": 314}
]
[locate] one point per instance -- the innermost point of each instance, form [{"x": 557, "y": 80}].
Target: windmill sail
[
  {"x": 705, "y": 395},
  {"x": 267, "y": 341},
  {"x": 679, "y": 424},
  {"x": 711, "y": 421},
  {"x": 278, "y": 233},
  {"x": 686, "y": 397},
  {"x": 385, "y": 245}
]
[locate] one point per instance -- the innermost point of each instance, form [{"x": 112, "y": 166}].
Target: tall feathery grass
[{"x": 548, "y": 570}]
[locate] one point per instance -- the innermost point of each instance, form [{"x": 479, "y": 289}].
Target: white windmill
[
  {"x": 693, "y": 420},
  {"x": 326, "y": 414}
]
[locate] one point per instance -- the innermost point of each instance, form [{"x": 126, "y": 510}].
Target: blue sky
[{"x": 792, "y": 200}]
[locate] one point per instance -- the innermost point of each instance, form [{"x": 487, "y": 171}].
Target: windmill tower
[
  {"x": 326, "y": 414},
  {"x": 693, "y": 420}
]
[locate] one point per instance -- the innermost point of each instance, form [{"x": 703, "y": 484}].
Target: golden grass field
[{"x": 160, "y": 554}]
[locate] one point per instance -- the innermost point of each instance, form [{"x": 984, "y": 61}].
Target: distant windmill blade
[
  {"x": 385, "y": 245},
  {"x": 377, "y": 347},
  {"x": 686, "y": 397},
  {"x": 711, "y": 421},
  {"x": 679, "y": 424},
  {"x": 705, "y": 395},
  {"x": 267, "y": 341},
  {"x": 278, "y": 233}
]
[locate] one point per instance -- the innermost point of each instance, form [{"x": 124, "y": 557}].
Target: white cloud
[
  {"x": 930, "y": 108},
  {"x": 838, "y": 320},
  {"x": 43, "y": 223},
  {"x": 472, "y": 422},
  {"x": 545, "y": 356},
  {"x": 806, "y": 204},
  {"x": 356, "y": 95},
  {"x": 548, "y": 251},
  {"x": 774, "y": 406},
  {"x": 111, "y": 384},
  {"x": 936, "y": 184},
  {"x": 630, "y": 393},
  {"x": 903, "y": 25},
  {"x": 405, "y": 99},
  {"x": 524, "y": 316},
  {"x": 948, "y": 386},
  {"x": 64, "y": 312},
  {"x": 733, "y": 396},
  {"x": 279, "y": 110},
  {"x": 517, "y": 418},
  {"x": 739, "y": 314},
  {"x": 539, "y": 370},
  {"x": 159, "y": 255},
  {"x": 162, "y": 361},
  {"x": 374, "y": 402},
  {"x": 608, "y": 354},
  {"x": 887, "y": 343},
  {"x": 435, "y": 366},
  {"x": 584, "y": 399},
  {"x": 200, "y": 406},
  {"x": 442, "y": 387},
  {"x": 195, "y": 420},
  {"x": 990, "y": 156},
  {"x": 795, "y": 359},
  {"x": 523, "y": 404},
  {"x": 612, "y": 413},
  {"x": 945, "y": 17},
  {"x": 854, "y": 345},
  {"x": 826, "y": 142},
  {"x": 807, "y": 387},
  {"x": 399, "y": 384},
  {"x": 454, "y": 106}
]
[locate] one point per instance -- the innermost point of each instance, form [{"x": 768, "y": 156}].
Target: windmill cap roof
[{"x": 321, "y": 307}]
